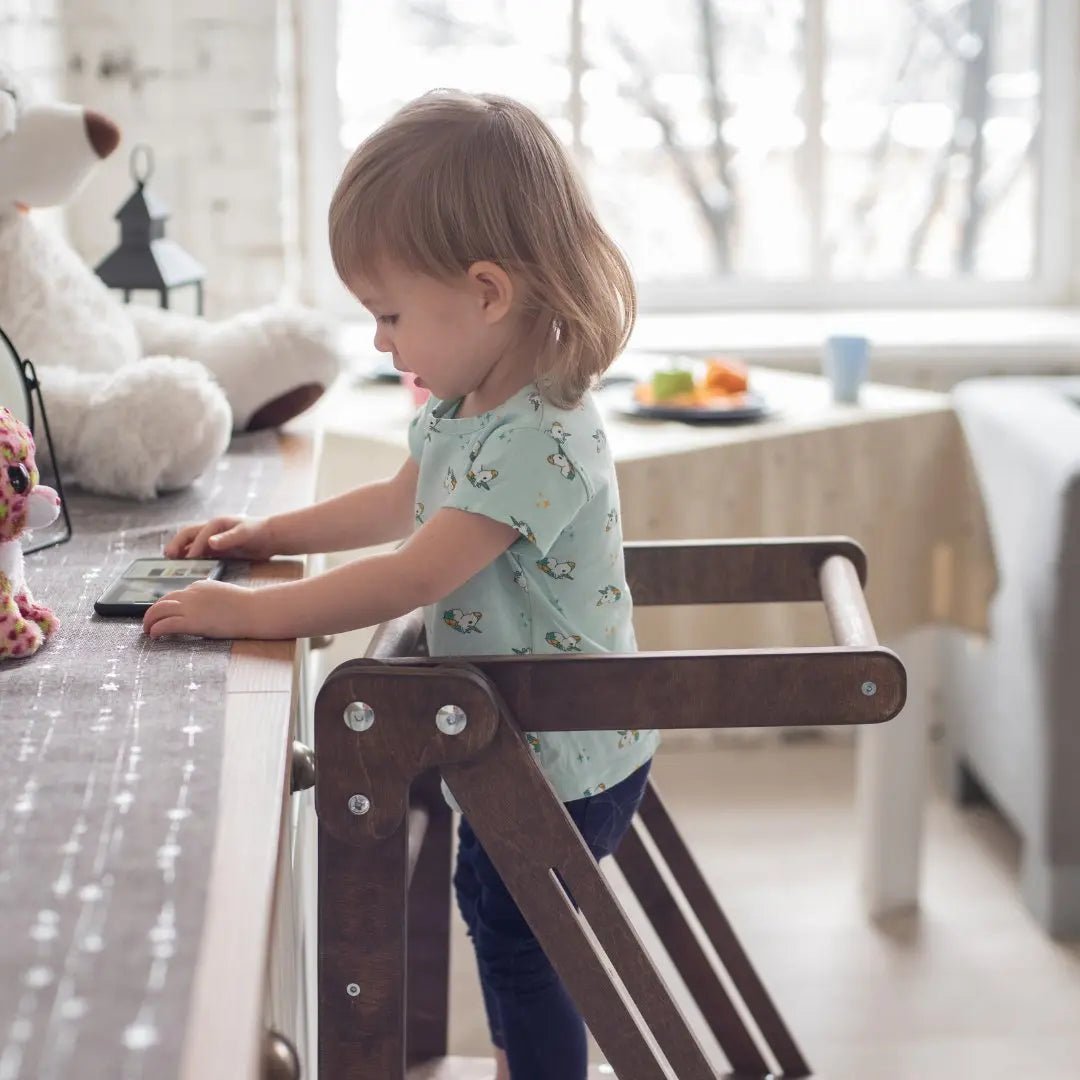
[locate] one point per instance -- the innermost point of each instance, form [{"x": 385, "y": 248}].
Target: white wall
[
  {"x": 30, "y": 30},
  {"x": 208, "y": 84}
]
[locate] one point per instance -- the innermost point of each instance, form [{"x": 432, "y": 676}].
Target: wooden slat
[
  {"x": 733, "y": 571},
  {"x": 709, "y": 689},
  {"x": 690, "y": 961},
  {"x": 463, "y": 1068},
  {"x": 719, "y": 932},
  {"x": 528, "y": 835}
]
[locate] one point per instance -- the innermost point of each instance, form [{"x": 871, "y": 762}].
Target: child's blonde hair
[{"x": 455, "y": 178}]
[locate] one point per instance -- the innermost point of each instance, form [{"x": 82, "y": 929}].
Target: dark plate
[{"x": 756, "y": 408}]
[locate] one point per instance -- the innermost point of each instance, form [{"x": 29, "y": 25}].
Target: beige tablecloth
[{"x": 893, "y": 472}]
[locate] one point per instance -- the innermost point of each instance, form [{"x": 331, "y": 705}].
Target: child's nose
[{"x": 382, "y": 339}]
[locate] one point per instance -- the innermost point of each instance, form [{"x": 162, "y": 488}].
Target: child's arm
[
  {"x": 372, "y": 514},
  {"x": 437, "y": 559}
]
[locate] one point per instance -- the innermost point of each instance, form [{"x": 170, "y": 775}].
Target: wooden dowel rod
[{"x": 845, "y": 604}]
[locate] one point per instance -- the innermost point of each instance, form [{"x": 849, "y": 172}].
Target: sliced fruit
[
  {"x": 726, "y": 376},
  {"x": 669, "y": 384}
]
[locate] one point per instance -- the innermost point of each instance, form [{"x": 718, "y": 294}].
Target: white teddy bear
[{"x": 140, "y": 400}]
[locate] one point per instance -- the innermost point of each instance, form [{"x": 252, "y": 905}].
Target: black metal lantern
[
  {"x": 146, "y": 258},
  {"x": 19, "y": 387}
]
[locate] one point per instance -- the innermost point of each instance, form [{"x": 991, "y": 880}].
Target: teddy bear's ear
[{"x": 8, "y": 113}]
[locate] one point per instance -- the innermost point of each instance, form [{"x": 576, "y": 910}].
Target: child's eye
[{"x": 388, "y": 320}]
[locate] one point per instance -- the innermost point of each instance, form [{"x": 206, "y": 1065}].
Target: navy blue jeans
[{"x": 529, "y": 1011}]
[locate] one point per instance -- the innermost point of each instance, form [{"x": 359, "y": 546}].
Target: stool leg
[
  {"x": 528, "y": 836},
  {"x": 429, "y": 926},
  {"x": 362, "y": 957}
]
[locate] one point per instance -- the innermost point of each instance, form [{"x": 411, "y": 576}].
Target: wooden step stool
[
  {"x": 384, "y": 736},
  {"x": 462, "y": 1068}
]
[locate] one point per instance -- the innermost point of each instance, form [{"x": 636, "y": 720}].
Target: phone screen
[{"x": 147, "y": 580}]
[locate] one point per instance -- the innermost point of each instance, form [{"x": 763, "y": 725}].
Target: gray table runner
[{"x": 108, "y": 800}]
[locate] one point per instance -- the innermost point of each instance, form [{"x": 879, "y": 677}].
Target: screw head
[
  {"x": 451, "y": 720},
  {"x": 352, "y": 990},
  {"x": 869, "y": 688},
  {"x": 359, "y": 804},
  {"x": 359, "y": 716}
]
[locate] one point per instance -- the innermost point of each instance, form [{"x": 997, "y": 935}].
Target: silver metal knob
[
  {"x": 359, "y": 715},
  {"x": 451, "y": 720}
]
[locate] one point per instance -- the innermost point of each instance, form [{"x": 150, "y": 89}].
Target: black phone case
[{"x": 138, "y": 610}]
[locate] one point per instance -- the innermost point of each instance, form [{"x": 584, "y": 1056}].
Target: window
[{"x": 780, "y": 153}]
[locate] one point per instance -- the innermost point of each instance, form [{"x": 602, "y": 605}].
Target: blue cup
[{"x": 846, "y": 361}]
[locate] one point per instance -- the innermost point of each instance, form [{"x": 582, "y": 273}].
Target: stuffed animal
[
  {"x": 24, "y": 504},
  {"x": 140, "y": 400}
]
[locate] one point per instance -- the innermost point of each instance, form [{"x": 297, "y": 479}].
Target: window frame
[{"x": 1057, "y": 267}]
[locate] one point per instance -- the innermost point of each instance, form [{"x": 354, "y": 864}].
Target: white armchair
[{"x": 1013, "y": 703}]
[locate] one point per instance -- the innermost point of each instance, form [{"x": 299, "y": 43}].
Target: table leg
[{"x": 890, "y": 785}]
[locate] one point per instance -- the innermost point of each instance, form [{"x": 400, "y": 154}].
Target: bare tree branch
[
  {"x": 711, "y": 45},
  {"x": 972, "y": 50},
  {"x": 867, "y": 199},
  {"x": 713, "y": 215}
]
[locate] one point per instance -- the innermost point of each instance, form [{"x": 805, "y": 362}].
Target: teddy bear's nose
[{"x": 103, "y": 134}]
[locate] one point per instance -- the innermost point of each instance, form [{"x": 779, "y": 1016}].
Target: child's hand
[
  {"x": 212, "y": 609},
  {"x": 225, "y": 537}
]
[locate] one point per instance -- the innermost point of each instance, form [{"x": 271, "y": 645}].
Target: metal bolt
[
  {"x": 359, "y": 715},
  {"x": 869, "y": 688},
  {"x": 451, "y": 720},
  {"x": 352, "y": 990},
  {"x": 359, "y": 804}
]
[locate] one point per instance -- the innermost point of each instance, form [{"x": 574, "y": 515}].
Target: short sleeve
[
  {"x": 418, "y": 429},
  {"x": 526, "y": 479}
]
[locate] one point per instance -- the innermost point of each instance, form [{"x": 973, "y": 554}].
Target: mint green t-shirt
[{"x": 561, "y": 588}]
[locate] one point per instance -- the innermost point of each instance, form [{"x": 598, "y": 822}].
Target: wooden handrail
[
  {"x": 845, "y": 604},
  {"x": 681, "y": 572},
  {"x": 723, "y": 688}
]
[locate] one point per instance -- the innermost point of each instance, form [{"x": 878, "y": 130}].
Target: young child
[{"x": 462, "y": 226}]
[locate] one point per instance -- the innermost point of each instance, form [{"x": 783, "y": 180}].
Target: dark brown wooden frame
[{"x": 379, "y": 934}]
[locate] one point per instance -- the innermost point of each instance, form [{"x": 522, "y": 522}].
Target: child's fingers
[
  {"x": 162, "y": 609},
  {"x": 230, "y": 538},
  {"x": 200, "y": 544},
  {"x": 177, "y": 547}
]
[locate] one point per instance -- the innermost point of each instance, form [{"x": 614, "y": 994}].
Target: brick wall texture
[{"x": 208, "y": 85}]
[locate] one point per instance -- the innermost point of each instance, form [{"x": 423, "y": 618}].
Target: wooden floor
[{"x": 967, "y": 987}]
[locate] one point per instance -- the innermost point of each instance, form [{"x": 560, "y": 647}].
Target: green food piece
[{"x": 666, "y": 384}]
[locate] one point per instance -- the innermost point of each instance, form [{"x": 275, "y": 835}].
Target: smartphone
[{"x": 148, "y": 580}]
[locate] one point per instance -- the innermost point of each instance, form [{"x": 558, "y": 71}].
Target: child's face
[{"x": 448, "y": 334}]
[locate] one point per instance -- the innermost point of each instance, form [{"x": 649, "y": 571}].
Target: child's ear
[{"x": 493, "y": 287}]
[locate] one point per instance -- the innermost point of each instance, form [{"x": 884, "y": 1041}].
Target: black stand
[{"x": 33, "y": 390}]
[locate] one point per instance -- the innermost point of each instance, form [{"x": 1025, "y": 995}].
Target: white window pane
[
  {"x": 931, "y": 113},
  {"x": 693, "y": 201},
  {"x": 684, "y": 197},
  {"x": 391, "y": 51}
]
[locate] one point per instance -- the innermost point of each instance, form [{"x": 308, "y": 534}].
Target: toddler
[{"x": 461, "y": 225}]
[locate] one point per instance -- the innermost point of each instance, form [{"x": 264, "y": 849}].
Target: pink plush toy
[{"x": 24, "y": 504}]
